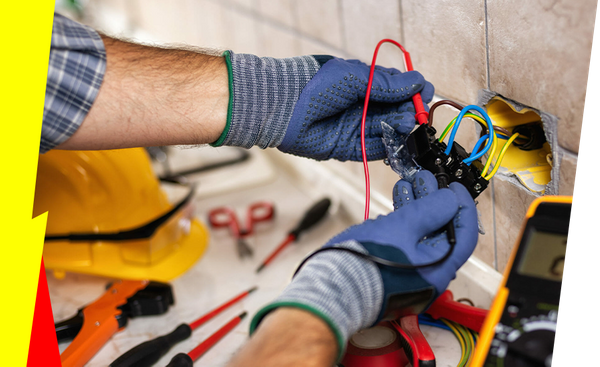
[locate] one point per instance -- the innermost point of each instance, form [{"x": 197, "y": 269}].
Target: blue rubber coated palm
[
  {"x": 326, "y": 120},
  {"x": 414, "y": 230}
]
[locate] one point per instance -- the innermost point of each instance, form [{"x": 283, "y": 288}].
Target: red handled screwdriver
[
  {"x": 311, "y": 217},
  {"x": 187, "y": 360},
  {"x": 148, "y": 353}
]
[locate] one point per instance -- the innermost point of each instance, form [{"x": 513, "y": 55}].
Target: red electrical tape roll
[{"x": 378, "y": 346}]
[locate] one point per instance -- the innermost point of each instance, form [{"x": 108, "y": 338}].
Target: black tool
[
  {"x": 148, "y": 353},
  {"x": 311, "y": 218},
  {"x": 187, "y": 360}
]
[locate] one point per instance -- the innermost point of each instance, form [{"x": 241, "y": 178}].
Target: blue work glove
[
  {"x": 350, "y": 293},
  {"x": 311, "y": 106},
  {"x": 414, "y": 234}
]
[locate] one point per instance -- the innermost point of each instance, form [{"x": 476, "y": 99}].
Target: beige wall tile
[
  {"x": 568, "y": 166},
  {"x": 212, "y": 29},
  {"x": 167, "y": 22},
  {"x": 241, "y": 32},
  {"x": 366, "y": 23},
  {"x": 539, "y": 56},
  {"x": 309, "y": 46},
  {"x": 511, "y": 204},
  {"x": 247, "y": 4},
  {"x": 320, "y": 19},
  {"x": 446, "y": 41},
  {"x": 280, "y": 11},
  {"x": 486, "y": 243},
  {"x": 277, "y": 42},
  {"x": 112, "y": 17}
]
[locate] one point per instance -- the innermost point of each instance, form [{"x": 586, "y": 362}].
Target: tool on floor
[
  {"x": 226, "y": 217},
  {"x": 149, "y": 352},
  {"x": 445, "y": 308},
  {"x": 95, "y": 324},
  {"x": 417, "y": 350},
  {"x": 313, "y": 216},
  {"x": 520, "y": 327},
  {"x": 161, "y": 154},
  {"x": 187, "y": 360}
]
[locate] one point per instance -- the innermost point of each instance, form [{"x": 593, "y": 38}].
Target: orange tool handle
[{"x": 99, "y": 322}]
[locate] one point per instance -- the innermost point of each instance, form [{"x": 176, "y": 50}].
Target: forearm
[
  {"x": 153, "y": 96},
  {"x": 289, "y": 337}
]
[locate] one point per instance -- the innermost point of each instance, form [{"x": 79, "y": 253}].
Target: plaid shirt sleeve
[{"x": 75, "y": 72}]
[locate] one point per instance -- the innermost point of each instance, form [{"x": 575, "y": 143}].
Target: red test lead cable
[{"x": 420, "y": 114}]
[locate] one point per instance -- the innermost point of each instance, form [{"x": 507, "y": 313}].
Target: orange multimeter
[{"x": 520, "y": 327}]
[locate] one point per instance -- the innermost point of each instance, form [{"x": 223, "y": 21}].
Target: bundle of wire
[
  {"x": 490, "y": 138},
  {"x": 491, "y": 143},
  {"x": 467, "y": 338}
]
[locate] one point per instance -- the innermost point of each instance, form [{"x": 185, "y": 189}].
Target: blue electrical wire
[
  {"x": 424, "y": 320},
  {"x": 455, "y": 129},
  {"x": 479, "y": 142}
]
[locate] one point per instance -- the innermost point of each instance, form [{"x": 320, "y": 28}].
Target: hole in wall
[{"x": 529, "y": 158}]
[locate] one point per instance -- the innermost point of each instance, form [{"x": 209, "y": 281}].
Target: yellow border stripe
[{"x": 25, "y": 32}]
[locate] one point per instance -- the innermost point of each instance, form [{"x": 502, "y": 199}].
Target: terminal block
[
  {"x": 408, "y": 154},
  {"x": 428, "y": 153}
]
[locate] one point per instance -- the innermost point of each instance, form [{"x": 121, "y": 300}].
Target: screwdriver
[
  {"x": 148, "y": 353},
  {"x": 311, "y": 217},
  {"x": 187, "y": 360}
]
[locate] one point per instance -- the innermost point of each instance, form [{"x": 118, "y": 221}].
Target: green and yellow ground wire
[
  {"x": 493, "y": 149},
  {"x": 466, "y": 338}
]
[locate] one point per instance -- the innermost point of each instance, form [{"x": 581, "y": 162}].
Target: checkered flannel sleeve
[{"x": 75, "y": 72}]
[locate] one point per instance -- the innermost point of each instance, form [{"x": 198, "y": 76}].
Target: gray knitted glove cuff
[
  {"x": 342, "y": 287},
  {"x": 265, "y": 91}
]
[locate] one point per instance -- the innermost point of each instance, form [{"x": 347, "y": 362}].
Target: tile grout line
[
  {"x": 487, "y": 43},
  {"x": 401, "y": 22},
  {"x": 487, "y": 65},
  {"x": 255, "y": 15}
]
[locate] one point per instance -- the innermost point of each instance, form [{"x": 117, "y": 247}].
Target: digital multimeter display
[{"x": 544, "y": 255}]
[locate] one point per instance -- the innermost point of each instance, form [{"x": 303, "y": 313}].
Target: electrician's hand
[
  {"x": 414, "y": 234},
  {"x": 351, "y": 293},
  {"x": 311, "y": 106}
]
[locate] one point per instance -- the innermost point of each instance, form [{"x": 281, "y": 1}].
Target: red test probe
[
  {"x": 148, "y": 353},
  {"x": 420, "y": 114}
]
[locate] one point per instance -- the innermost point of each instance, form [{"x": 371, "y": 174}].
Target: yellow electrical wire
[
  {"x": 488, "y": 162},
  {"x": 471, "y": 342},
  {"x": 493, "y": 135},
  {"x": 461, "y": 341},
  {"x": 501, "y": 156}
]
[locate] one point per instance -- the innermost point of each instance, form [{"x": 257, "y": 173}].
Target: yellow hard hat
[{"x": 107, "y": 215}]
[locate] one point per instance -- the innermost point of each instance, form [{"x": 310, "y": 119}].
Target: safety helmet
[{"x": 107, "y": 215}]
